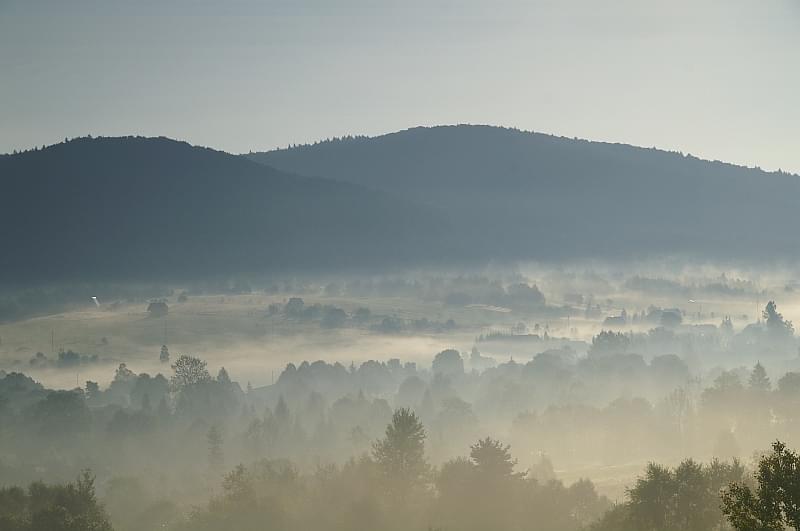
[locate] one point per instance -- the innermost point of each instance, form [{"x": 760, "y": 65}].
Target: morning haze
[
  {"x": 710, "y": 78},
  {"x": 396, "y": 266}
]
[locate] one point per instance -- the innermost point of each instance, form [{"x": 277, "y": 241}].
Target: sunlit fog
[{"x": 392, "y": 267}]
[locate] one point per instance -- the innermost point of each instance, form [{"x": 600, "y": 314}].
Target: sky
[{"x": 718, "y": 79}]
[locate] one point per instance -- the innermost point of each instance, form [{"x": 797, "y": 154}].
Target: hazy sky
[{"x": 719, "y": 79}]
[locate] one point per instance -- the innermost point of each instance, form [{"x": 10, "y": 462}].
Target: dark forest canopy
[
  {"x": 154, "y": 208},
  {"x": 523, "y": 194},
  {"x": 148, "y": 208},
  {"x": 389, "y": 482}
]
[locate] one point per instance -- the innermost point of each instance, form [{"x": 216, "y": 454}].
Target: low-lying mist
[{"x": 588, "y": 371}]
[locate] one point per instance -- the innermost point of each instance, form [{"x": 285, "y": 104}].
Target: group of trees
[
  {"x": 684, "y": 498},
  {"x": 22, "y": 303},
  {"x": 394, "y": 487},
  {"x": 721, "y": 496},
  {"x": 68, "y": 507},
  {"x": 318, "y": 421},
  {"x": 67, "y": 359},
  {"x": 320, "y": 411},
  {"x": 770, "y": 338},
  {"x": 329, "y": 316},
  {"x": 515, "y": 292},
  {"x": 772, "y": 503}
]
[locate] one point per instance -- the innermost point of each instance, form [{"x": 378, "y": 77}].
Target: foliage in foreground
[
  {"x": 69, "y": 507},
  {"x": 694, "y": 497},
  {"x": 395, "y": 488},
  {"x": 683, "y": 498},
  {"x": 774, "y": 502}
]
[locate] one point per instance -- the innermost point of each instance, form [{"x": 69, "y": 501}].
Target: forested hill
[
  {"x": 147, "y": 208},
  {"x": 528, "y": 194},
  {"x": 114, "y": 208}
]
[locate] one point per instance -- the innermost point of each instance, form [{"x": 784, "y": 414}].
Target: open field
[
  {"x": 237, "y": 331},
  {"x": 231, "y": 331}
]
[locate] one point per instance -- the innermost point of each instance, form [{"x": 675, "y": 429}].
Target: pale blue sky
[{"x": 719, "y": 79}]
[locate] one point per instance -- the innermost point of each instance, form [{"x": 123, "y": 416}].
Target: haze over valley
[{"x": 493, "y": 278}]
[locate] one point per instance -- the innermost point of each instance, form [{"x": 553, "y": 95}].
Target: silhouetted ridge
[
  {"x": 154, "y": 207},
  {"x": 522, "y": 194}
]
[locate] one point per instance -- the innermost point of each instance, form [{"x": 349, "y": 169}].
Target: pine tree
[
  {"x": 776, "y": 324},
  {"x": 493, "y": 459},
  {"x": 758, "y": 379},
  {"x": 401, "y": 453}
]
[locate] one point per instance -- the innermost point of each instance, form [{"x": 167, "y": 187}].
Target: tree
[
  {"x": 789, "y": 385},
  {"x": 333, "y": 317},
  {"x": 401, "y": 453},
  {"x": 124, "y": 374},
  {"x": 679, "y": 408},
  {"x": 776, "y": 325},
  {"x": 651, "y": 498},
  {"x": 92, "y": 390},
  {"x": 164, "y": 356},
  {"x": 222, "y": 377},
  {"x": 62, "y": 414},
  {"x": 492, "y": 459},
  {"x": 775, "y": 503},
  {"x": 294, "y": 308},
  {"x": 158, "y": 309},
  {"x": 587, "y": 504},
  {"x": 726, "y": 326},
  {"x": 542, "y": 471},
  {"x": 189, "y": 371},
  {"x": 448, "y": 363},
  {"x": 670, "y": 319},
  {"x": 759, "y": 381},
  {"x": 608, "y": 342},
  {"x": 69, "y": 507},
  {"x": 728, "y": 381},
  {"x": 693, "y": 498},
  {"x": 215, "y": 456}
]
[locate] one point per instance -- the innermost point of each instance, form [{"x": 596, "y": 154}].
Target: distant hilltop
[
  {"x": 134, "y": 207},
  {"x": 531, "y": 195}
]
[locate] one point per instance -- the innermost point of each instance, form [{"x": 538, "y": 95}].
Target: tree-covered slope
[
  {"x": 112, "y": 208},
  {"x": 533, "y": 195}
]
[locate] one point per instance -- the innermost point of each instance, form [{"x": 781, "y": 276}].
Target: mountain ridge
[
  {"x": 365, "y": 138},
  {"x": 566, "y": 198},
  {"x": 143, "y": 207},
  {"x": 153, "y": 207}
]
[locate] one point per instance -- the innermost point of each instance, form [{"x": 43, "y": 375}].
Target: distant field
[
  {"x": 237, "y": 332},
  {"x": 234, "y": 331}
]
